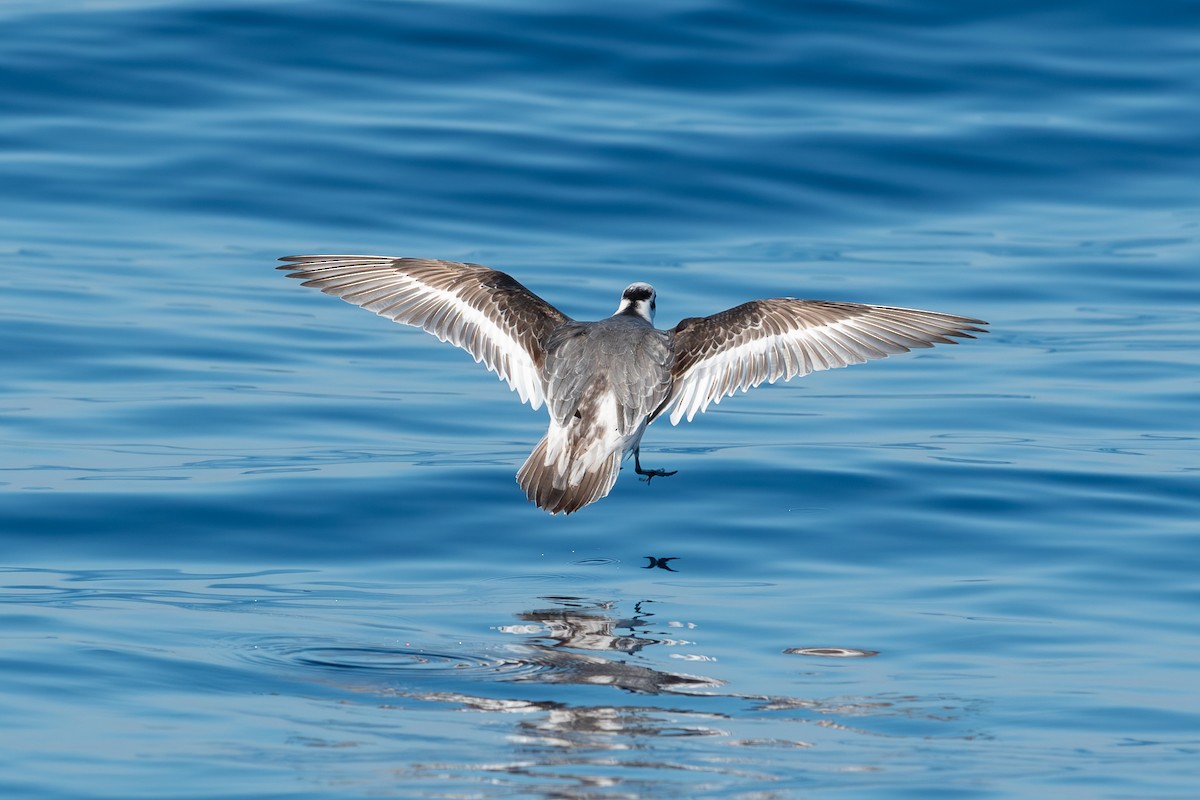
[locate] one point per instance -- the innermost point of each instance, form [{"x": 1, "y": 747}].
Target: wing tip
[{"x": 969, "y": 329}]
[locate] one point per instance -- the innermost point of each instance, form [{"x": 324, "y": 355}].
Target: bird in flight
[{"x": 603, "y": 382}]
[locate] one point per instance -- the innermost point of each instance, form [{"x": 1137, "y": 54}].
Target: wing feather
[
  {"x": 765, "y": 340},
  {"x": 488, "y": 313}
]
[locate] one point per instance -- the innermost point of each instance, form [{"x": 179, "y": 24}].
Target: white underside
[{"x": 604, "y": 440}]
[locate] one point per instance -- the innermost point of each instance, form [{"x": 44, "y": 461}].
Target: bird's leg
[{"x": 649, "y": 473}]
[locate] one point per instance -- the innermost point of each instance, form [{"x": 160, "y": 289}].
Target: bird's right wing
[
  {"x": 766, "y": 340},
  {"x": 485, "y": 312}
]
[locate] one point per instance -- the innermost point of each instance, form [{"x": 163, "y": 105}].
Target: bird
[{"x": 604, "y": 381}]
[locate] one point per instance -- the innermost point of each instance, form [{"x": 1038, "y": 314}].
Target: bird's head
[{"x": 638, "y": 299}]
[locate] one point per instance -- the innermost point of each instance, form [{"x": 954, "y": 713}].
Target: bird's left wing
[
  {"x": 485, "y": 312},
  {"x": 766, "y": 340}
]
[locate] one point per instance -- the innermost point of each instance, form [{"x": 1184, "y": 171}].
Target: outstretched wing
[
  {"x": 766, "y": 340},
  {"x": 485, "y": 312}
]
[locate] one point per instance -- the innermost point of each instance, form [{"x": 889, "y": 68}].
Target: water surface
[{"x": 258, "y": 543}]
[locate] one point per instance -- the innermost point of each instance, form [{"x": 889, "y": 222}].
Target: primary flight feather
[{"x": 603, "y": 382}]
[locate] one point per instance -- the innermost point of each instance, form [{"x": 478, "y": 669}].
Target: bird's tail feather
[{"x": 561, "y": 485}]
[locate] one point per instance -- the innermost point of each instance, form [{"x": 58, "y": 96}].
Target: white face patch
[{"x": 638, "y": 298}]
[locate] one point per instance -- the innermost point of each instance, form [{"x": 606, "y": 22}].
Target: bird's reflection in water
[
  {"x": 578, "y": 747},
  {"x": 576, "y": 641},
  {"x": 574, "y": 624}
]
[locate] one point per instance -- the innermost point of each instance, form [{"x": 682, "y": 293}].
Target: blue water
[{"x": 256, "y": 543}]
